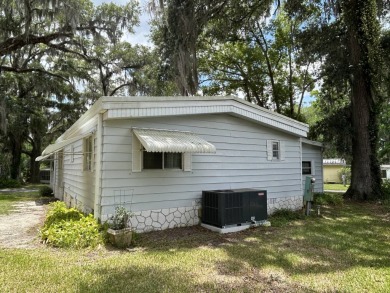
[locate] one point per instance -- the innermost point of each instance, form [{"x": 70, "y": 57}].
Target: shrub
[
  {"x": 59, "y": 212},
  {"x": 328, "y": 198},
  {"x": 347, "y": 172},
  {"x": 386, "y": 192},
  {"x": 68, "y": 227},
  {"x": 282, "y": 217},
  {"x": 121, "y": 218},
  {"x": 46, "y": 191},
  {"x": 9, "y": 183}
]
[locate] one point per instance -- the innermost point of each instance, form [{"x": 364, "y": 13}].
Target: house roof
[
  {"x": 312, "y": 142},
  {"x": 141, "y": 107},
  {"x": 336, "y": 161}
]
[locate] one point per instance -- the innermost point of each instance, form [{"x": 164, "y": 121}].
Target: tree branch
[
  {"x": 18, "y": 70},
  {"x": 12, "y": 44},
  {"x": 118, "y": 88}
]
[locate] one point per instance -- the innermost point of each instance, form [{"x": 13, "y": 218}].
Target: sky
[{"x": 142, "y": 31}]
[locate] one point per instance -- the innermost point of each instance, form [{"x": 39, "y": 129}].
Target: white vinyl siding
[
  {"x": 239, "y": 162},
  {"x": 187, "y": 162},
  {"x": 137, "y": 155},
  {"x": 78, "y": 185},
  {"x": 313, "y": 154}
]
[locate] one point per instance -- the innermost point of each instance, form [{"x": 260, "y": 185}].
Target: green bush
[
  {"x": 328, "y": 199},
  {"x": 68, "y": 227},
  {"x": 9, "y": 183},
  {"x": 282, "y": 217},
  {"x": 59, "y": 212},
  {"x": 386, "y": 192},
  {"x": 121, "y": 218},
  {"x": 347, "y": 172},
  {"x": 46, "y": 191}
]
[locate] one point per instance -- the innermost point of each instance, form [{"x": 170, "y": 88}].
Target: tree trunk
[
  {"x": 16, "y": 158},
  {"x": 34, "y": 166},
  {"x": 365, "y": 181}
]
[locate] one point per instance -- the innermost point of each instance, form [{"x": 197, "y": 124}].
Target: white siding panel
[
  {"x": 78, "y": 184},
  {"x": 187, "y": 162},
  {"x": 313, "y": 154},
  {"x": 240, "y": 162}
]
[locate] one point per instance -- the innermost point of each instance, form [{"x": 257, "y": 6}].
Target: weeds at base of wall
[
  {"x": 69, "y": 228},
  {"x": 326, "y": 198},
  {"x": 282, "y": 217}
]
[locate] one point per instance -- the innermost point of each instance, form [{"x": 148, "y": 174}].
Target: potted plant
[{"x": 120, "y": 233}]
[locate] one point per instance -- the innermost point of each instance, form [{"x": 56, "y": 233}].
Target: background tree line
[{"x": 58, "y": 57}]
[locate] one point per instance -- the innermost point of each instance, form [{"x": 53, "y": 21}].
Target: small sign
[{"x": 260, "y": 194}]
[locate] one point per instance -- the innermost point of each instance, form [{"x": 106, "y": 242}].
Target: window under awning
[
  {"x": 172, "y": 141},
  {"x": 50, "y": 149}
]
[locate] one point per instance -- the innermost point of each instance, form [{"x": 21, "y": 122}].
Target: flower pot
[{"x": 120, "y": 238}]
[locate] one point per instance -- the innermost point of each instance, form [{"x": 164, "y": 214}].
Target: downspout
[
  {"x": 301, "y": 147},
  {"x": 98, "y": 167}
]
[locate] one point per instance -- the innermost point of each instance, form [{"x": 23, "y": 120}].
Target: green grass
[
  {"x": 7, "y": 200},
  {"x": 345, "y": 250},
  {"x": 335, "y": 187}
]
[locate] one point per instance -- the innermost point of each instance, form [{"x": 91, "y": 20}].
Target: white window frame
[
  {"x": 280, "y": 151},
  {"x": 162, "y": 163},
  {"x": 60, "y": 159},
  {"x": 276, "y": 150},
  {"x": 72, "y": 153},
  {"x": 137, "y": 159},
  {"x": 88, "y": 152},
  {"x": 312, "y": 167}
]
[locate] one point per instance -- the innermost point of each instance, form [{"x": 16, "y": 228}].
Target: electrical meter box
[{"x": 309, "y": 186}]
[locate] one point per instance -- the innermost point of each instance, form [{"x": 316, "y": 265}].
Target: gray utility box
[{"x": 222, "y": 208}]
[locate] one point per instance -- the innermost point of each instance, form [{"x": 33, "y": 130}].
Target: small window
[
  {"x": 306, "y": 168},
  {"x": 153, "y": 160},
  {"x": 72, "y": 153},
  {"x": 384, "y": 174},
  {"x": 88, "y": 153},
  {"x": 60, "y": 160},
  {"x": 275, "y": 150}
]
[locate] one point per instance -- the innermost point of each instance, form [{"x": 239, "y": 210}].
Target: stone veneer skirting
[
  {"x": 291, "y": 203},
  {"x": 151, "y": 220},
  {"x": 145, "y": 221}
]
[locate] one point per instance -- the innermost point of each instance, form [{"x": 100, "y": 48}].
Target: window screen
[{"x": 306, "y": 168}]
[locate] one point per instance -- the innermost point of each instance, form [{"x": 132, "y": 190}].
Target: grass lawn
[
  {"x": 345, "y": 250},
  {"x": 335, "y": 187},
  {"x": 9, "y": 199}
]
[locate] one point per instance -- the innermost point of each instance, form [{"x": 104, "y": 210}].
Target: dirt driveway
[{"x": 19, "y": 229}]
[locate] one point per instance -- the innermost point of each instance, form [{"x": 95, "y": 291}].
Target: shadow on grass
[
  {"x": 166, "y": 276},
  {"x": 130, "y": 278},
  {"x": 349, "y": 238},
  {"x": 355, "y": 235}
]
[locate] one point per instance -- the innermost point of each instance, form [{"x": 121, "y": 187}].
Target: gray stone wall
[
  {"x": 291, "y": 203},
  {"x": 161, "y": 219},
  {"x": 145, "y": 221}
]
